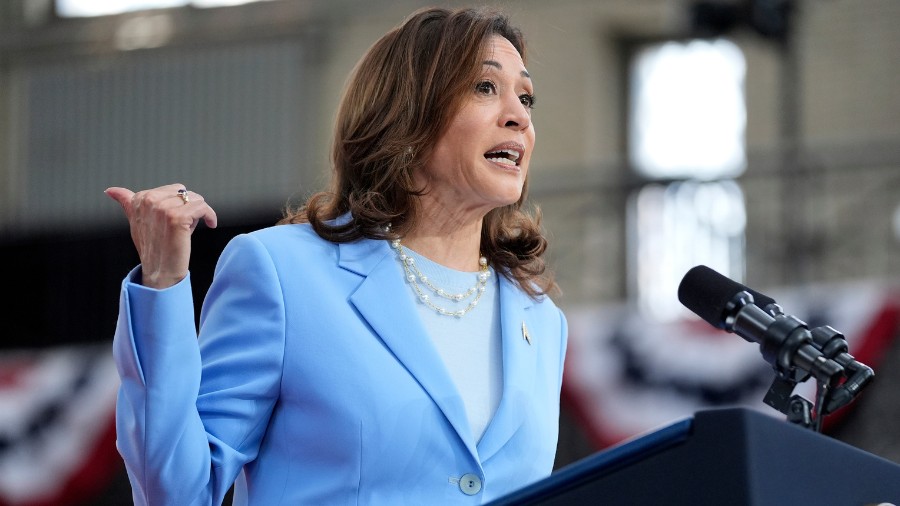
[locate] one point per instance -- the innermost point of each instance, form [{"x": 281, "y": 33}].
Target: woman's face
[{"x": 480, "y": 162}]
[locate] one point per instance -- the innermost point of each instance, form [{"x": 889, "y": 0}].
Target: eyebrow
[{"x": 496, "y": 64}]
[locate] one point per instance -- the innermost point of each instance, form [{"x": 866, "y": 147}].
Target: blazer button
[{"x": 470, "y": 484}]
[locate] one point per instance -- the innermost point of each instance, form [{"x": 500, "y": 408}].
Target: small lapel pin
[{"x": 525, "y": 334}]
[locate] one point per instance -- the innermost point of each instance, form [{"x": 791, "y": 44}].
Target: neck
[{"x": 450, "y": 242}]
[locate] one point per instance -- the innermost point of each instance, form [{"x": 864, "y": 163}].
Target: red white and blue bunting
[{"x": 57, "y": 429}]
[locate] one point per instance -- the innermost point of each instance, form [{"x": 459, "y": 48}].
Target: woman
[{"x": 391, "y": 341}]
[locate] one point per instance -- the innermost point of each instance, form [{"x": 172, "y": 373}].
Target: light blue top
[{"x": 470, "y": 344}]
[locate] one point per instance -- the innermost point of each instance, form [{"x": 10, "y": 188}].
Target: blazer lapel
[
  {"x": 519, "y": 359},
  {"x": 382, "y": 300}
]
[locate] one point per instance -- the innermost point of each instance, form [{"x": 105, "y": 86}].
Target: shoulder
[
  {"x": 295, "y": 235},
  {"x": 547, "y": 308},
  {"x": 284, "y": 233},
  {"x": 541, "y": 302},
  {"x": 298, "y": 246},
  {"x": 295, "y": 244},
  {"x": 541, "y": 307},
  {"x": 278, "y": 237}
]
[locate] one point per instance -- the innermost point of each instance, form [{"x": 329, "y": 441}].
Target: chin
[{"x": 511, "y": 199}]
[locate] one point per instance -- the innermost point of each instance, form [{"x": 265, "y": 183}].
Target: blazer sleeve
[{"x": 191, "y": 412}]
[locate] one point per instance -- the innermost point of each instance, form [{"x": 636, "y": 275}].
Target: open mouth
[{"x": 504, "y": 156}]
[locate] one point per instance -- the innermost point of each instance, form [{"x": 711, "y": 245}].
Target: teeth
[
  {"x": 514, "y": 155},
  {"x": 504, "y": 161},
  {"x": 511, "y": 157}
]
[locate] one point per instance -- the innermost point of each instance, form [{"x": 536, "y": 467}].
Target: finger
[
  {"x": 210, "y": 218},
  {"x": 202, "y": 210},
  {"x": 121, "y": 195}
]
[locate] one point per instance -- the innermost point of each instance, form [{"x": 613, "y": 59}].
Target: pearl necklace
[{"x": 414, "y": 276}]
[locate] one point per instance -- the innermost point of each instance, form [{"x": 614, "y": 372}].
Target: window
[
  {"x": 88, "y": 8},
  {"x": 686, "y": 127}
]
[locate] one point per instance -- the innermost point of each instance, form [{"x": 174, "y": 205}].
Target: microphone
[
  {"x": 793, "y": 350},
  {"x": 706, "y": 293},
  {"x": 785, "y": 342}
]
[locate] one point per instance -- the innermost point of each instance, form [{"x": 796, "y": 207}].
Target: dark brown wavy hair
[{"x": 398, "y": 101}]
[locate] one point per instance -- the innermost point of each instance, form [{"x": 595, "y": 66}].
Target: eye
[
  {"x": 486, "y": 88},
  {"x": 527, "y": 100}
]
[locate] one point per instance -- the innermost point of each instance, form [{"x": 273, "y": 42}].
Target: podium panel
[{"x": 731, "y": 456}]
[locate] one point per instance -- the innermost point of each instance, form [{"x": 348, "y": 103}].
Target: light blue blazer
[{"x": 315, "y": 382}]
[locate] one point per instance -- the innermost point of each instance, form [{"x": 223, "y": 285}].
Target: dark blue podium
[{"x": 722, "y": 457}]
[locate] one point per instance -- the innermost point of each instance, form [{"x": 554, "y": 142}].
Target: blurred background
[{"x": 758, "y": 137}]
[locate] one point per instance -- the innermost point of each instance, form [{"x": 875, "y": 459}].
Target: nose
[{"x": 514, "y": 115}]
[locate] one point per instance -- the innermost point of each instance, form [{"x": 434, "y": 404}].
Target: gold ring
[{"x": 184, "y": 195}]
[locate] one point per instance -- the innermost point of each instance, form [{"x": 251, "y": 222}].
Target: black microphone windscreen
[{"x": 706, "y": 293}]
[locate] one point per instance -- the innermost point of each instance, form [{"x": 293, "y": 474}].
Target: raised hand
[{"x": 162, "y": 220}]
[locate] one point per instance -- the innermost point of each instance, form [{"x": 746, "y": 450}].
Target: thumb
[{"x": 120, "y": 195}]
